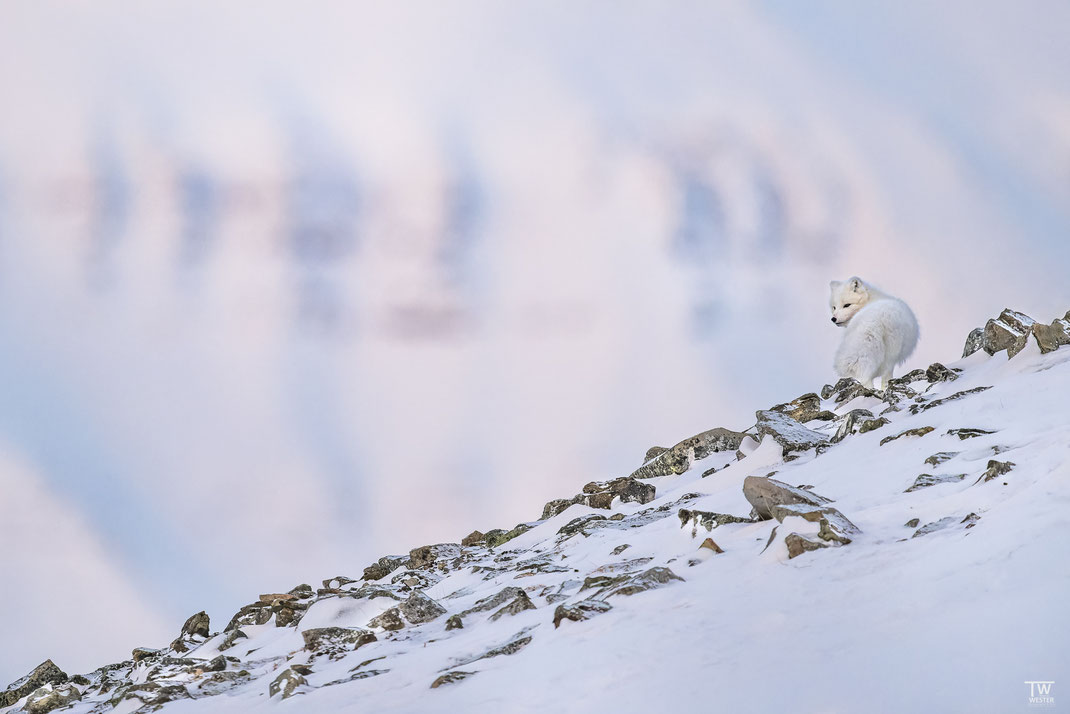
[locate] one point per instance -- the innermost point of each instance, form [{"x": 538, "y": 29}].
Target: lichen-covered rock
[
  {"x": 419, "y": 608},
  {"x": 707, "y": 520},
  {"x": 916, "y": 431},
  {"x": 45, "y": 673},
  {"x": 653, "y": 451},
  {"x": 195, "y": 630},
  {"x": 582, "y": 610},
  {"x": 927, "y": 480},
  {"x": 335, "y": 642},
  {"x": 50, "y": 697},
  {"x": 805, "y": 408},
  {"x": 790, "y": 434},
  {"x": 557, "y": 506},
  {"x": 427, "y": 555},
  {"x": 473, "y": 538},
  {"x": 851, "y": 423},
  {"x": 454, "y": 622},
  {"x": 498, "y": 536},
  {"x": 384, "y": 566},
  {"x": 764, "y": 493},
  {"x": 389, "y": 620},
  {"x": 450, "y": 677},
  {"x": 519, "y": 604},
  {"x": 995, "y": 470},
  {"x": 286, "y": 683},
  {"x": 678, "y": 459}
]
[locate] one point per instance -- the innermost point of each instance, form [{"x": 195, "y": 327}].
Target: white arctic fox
[{"x": 881, "y": 331}]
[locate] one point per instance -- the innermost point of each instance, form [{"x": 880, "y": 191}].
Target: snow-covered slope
[{"x": 915, "y": 561}]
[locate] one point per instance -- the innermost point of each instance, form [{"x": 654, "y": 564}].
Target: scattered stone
[
  {"x": 337, "y": 582},
  {"x": 45, "y": 673},
  {"x": 426, "y": 556},
  {"x": 558, "y": 506},
  {"x": 1051, "y": 337},
  {"x": 473, "y": 538},
  {"x": 790, "y": 434},
  {"x": 389, "y": 620},
  {"x": 620, "y": 549},
  {"x": 335, "y": 642},
  {"x": 653, "y": 452},
  {"x": 415, "y": 579},
  {"x": 974, "y": 341},
  {"x": 384, "y": 566},
  {"x": 850, "y": 423},
  {"x": 918, "y": 408},
  {"x": 805, "y": 408},
  {"x": 629, "y": 490},
  {"x": 912, "y": 523},
  {"x": 834, "y": 526},
  {"x": 939, "y": 373},
  {"x": 995, "y": 470},
  {"x": 964, "y": 434},
  {"x": 707, "y": 520},
  {"x": 497, "y": 536},
  {"x": 582, "y": 610},
  {"x": 616, "y": 517},
  {"x": 450, "y": 677},
  {"x": 763, "y": 493},
  {"x": 868, "y": 425},
  {"x": 453, "y": 622},
  {"x": 140, "y": 654},
  {"x": 847, "y": 389},
  {"x": 1010, "y": 331},
  {"x": 927, "y": 480},
  {"x": 494, "y": 601},
  {"x": 286, "y": 683},
  {"x": 419, "y": 608},
  {"x": 50, "y": 697},
  {"x": 196, "y": 627},
  {"x": 256, "y": 613},
  {"x": 678, "y": 459},
  {"x": 303, "y": 591},
  {"x": 799, "y": 544},
  {"x": 519, "y": 604},
  {"x": 917, "y": 431},
  {"x": 970, "y": 520},
  {"x": 646, "y": 580},
  {"x": 577, "y": 525},
  {"x": 941, "y": 456}
]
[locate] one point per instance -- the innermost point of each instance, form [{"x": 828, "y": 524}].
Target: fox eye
[{"x": 847, "y": 304}]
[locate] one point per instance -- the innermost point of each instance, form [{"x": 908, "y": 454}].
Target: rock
[
  {"x": 1010, "y": 331},
  {"x": 270, "y": 598},
  {"x": 384, "y": 566},
  {"x": 419, "y": 608},
  {"x": 494, "y": 601},
  {"x": 499, "y": 537},
  {"x": 995, "y": 469},
  {"x": 917, "y": 431},
  {"x": 286, "y": 683},
  {"x": 707, "y": 550},
  {"x": 473, "y": 538},
  {"x": 621, "y": 548},
  {"x": 453, "y": 622},
  {"x": 790, "y": 434},
  {"x": 285, "y": 616},
  {"x": 557, "y": 506},
  {"x": 415, "y": 579},
  {"x": 304, "y": 590},
  {"x": 939, "y": 373},
  {"x": 974, "y": 341},
  {"x": 912, "y": 523},
  {"x": 45, "y": 673},
  {"x": 389, "y": 620},
  {"x": 518, "y": 605},
  {"x": 337, "y": 582},
  {"x": 1051, "y": 337},
  {"x": 763, "y": 493},
  {"x": 335, "y": 642},
  {"x": 50, "y": 697},
  {"x": 940, "y": 457},
  {"x": 195, "y": 629},
  {"x": 847, "y": 389},
  {"x": 516, "y": 643},
  {"x": 216, "y": 664},
  {"x": 628, "y": 489},
  {"x": 934, "y": 526},
  {"x": 868, "y": 425},
  {"x": 647, "y": 580},
  {"x": 803, "y": 409},
  {"x": 970, "y": 520},
  {"x": 964, "y": 434},
  {"x": 850, "y": 423},
  {"x": 654, "y": 451},
  {"x": 582, "y": 610},
  {"x": 834, "y": 526},
  {"x": 707, "y": 520},
  {"x": 678, "y": 459},
  {"x": 450, "y": 677},
  {"x": 257, "y": 613},
  {"x": 918, "y": 408},
  {"x": 927, "y": 480},
  {"x": 799, "y": 544},
  {"x": 426, "y": 556}
]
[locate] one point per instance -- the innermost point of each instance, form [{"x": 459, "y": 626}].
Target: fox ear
[
  {"x": 856, "y": 283},
  {"x": 835, "y": 284}
]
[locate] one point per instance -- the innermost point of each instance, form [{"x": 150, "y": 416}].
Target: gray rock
[
  {"x": 419, "y": 608},
  {"x": 600, "y": 494},
  {"x": 964, "y": 434},
  {"x": 869, "y": 425},
  {"x": 850, "y": 423},
  {"x": 257, "y": 613},
  {"x": 582, "y": 610},
  {"x": 834, "y": 526},
  {"x": 216, "y": 664},
  {"x": 384, "y": 566},
  {"x": 336, "y": 642},
  {"x": 495, "y": 601},
  {"x": 415, "y": 579},
  {"x": 939, "y": 373},
  {"x": 1010, "y": 331},
  {"x": 917, "y": 431},
  {"x": 450, "y": 678},
  {"x": 805, "y": 408},
  {"x": 428, "y": 555},
  {"x": 995, "y": 470},
  {"x": 763, "y": 493},
  {"x": 45, "y": 673},
  {"x": 50, "y": 697},
  {"x": 799, "y": 544},
  {"x": 473, "y": 538},
  {"x": 927, "y": 480},
  {"x": 646, "y": 580},
  {"x": 707, "y": 520},
  {"x": 1051, "y": 337},
  {"x": 790, "y": 434},
  {"x": 453, "y": 622},
  {"x": 498, "y": 537},
  {"x": 516, "y": 643},
  {"x": 389, "y": 620},
  {"x": 940, "y": 457},
  {"x": 286, "y": 683},
  {"x": 934, "y": 526},
  {"x": 653, "y": 452},
  {"x": 678, "y": 459},
  {"x": 974, "y": 341},
  {"x": 140, "y": 654},
  {"x": 557, "y": 506},
  {"x": 847, "y": 389},
  {"x": 519, "y": 604},
  {"x": 621, "y": 548},
  {"x": 577, "y": 525},
  {"x": 912, "y": 523},
  {"x": 194, "y": 631},
  {"x": 337, "y": 582}
]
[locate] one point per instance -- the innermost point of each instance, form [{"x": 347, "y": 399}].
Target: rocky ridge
[{"x": 446, "y": 612}]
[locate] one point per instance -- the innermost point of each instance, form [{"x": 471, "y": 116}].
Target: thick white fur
[{"x": 881, "y": 331}]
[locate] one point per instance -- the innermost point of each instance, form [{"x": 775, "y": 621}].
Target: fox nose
[{"x": 834, "y": 319}]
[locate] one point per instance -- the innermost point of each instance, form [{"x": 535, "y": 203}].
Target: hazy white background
[{"x": 284, "y": 289}]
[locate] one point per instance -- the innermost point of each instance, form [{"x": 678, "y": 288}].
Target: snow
[{"x": 952, "y": 620}]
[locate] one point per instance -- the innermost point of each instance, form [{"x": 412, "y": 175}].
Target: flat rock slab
[
  {"x": 787, "y": 432},
  {"x": 678, "y": 459},
  {"x": 764, "y": 493}
]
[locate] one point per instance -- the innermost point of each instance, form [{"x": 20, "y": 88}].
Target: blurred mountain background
[{"x": 309, "y": 285}]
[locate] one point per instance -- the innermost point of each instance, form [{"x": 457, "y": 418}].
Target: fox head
[{"x": 846, "y": 298}]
